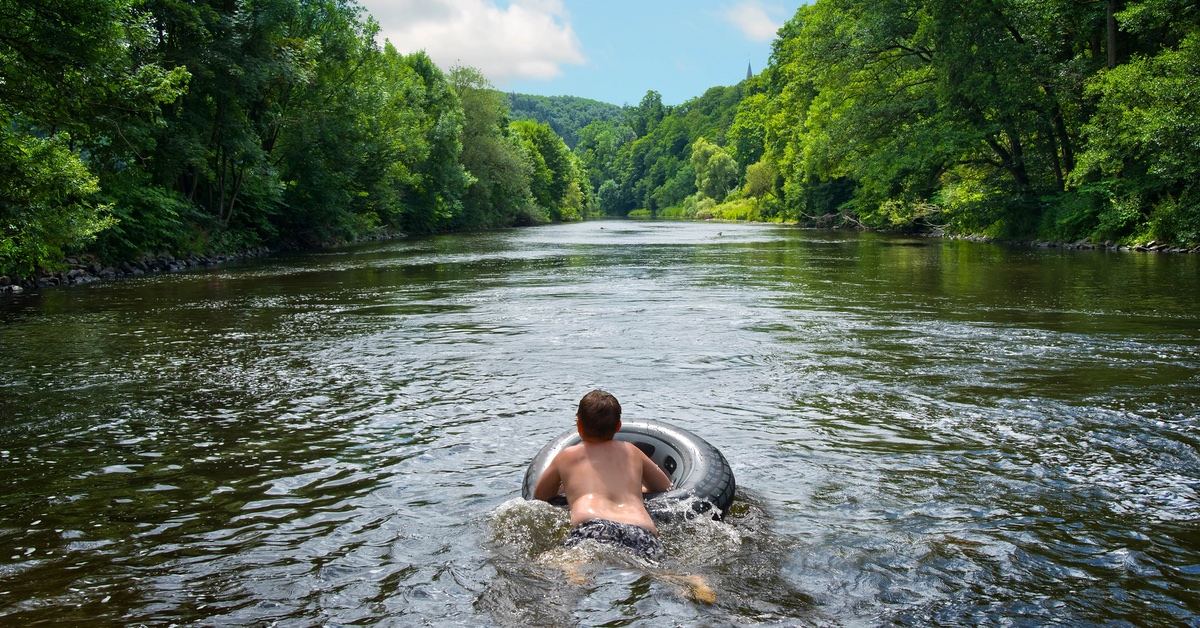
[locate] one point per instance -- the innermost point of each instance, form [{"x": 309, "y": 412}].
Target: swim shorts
[{"x": 636, "y": 539}]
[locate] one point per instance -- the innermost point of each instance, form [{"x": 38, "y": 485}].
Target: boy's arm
[
  {"x": 550, "y": 483},
  {"x": 653, "y": 478}
]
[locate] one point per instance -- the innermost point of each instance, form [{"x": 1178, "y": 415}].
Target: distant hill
[{"x": 565, "y": 114}]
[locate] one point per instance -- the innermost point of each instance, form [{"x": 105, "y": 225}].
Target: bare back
[{"x": 603, "y": 480}]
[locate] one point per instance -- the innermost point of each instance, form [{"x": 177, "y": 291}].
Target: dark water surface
[{"x": 924, "y": 432}]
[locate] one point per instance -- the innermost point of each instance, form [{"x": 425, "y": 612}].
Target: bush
[
  {"x": 48, "y": 203},
  {"x": 1177, "y": 222},
  {"x": 150, "y": 218}
]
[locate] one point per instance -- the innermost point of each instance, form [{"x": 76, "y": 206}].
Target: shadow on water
[{"x": 741, "y": 559}]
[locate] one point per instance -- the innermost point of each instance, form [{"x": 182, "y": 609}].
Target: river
[{"x": 924, "y": 432}]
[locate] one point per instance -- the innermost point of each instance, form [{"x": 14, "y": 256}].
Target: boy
[{"x": 603, "y": 479}]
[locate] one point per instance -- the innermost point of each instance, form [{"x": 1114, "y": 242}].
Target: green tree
[
  {"x": 1143, "y": 152},
  {"x": 747, "y": 136},
  {"x": 500, "y": 194},
  {"x": 608, "y": 199},
  {"x": 557, "y": 180},
  {"x": 648, "y": 113},
  {"x": 47, "y": 202},
  {"x": 760, "y": 179},
  {"x": 716, "y": 171},
  {"x": 567, "y": 115},
  {"x": 599, "y": 148},
  {"x": 70, "y": 84},
  {"x": 931, "y": 105}
]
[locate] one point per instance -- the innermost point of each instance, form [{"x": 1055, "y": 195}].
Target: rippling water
[{"x": 924, "y": 432}]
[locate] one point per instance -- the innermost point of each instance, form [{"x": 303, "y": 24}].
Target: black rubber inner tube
[{"x": 700, "y": 475}]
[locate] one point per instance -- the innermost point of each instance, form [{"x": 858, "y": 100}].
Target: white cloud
[
  {"x": 753, "y": 20},
  {"x": 528, "y": 39}
]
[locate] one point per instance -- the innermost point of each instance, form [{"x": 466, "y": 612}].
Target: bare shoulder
[
  {"x": 568, "y": 454},
  {"x": 634, "y": 450}
]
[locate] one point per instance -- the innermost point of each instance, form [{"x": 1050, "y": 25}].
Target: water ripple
[{"x": 923, "y": 432}]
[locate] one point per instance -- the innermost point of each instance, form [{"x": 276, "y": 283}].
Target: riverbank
[
  {"x": 1149, "y": 247},
  {"x": 1082, "y": 245},
  {"x": 830, "y": 222},
  {"x": 86, "y": 269},
  {"x": 839, "y": 221}
]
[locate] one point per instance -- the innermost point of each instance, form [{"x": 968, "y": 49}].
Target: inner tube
[{"x": 700, "y": 475}]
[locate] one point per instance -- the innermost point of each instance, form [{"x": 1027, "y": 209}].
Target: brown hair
[{"x": 599, "y": 415}]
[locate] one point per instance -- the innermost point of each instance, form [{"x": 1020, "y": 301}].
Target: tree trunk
[
  {"x": 1059, "y": 179},
  {"x": 1112, "y": 34},
  {"x": 220, "y": 186},
  {"x": 237, "y": 189},
  {"x": 1018, "y": 156},
  {"x": 1064, "y": 140},
  {"x": 1013, "y": 160}
]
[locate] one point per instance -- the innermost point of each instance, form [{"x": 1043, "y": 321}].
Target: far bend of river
[{"x": 924, "y": 432}]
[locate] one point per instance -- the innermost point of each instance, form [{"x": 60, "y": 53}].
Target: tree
[
  {"x": 932, "y": 105},
  {"x": 747, "y": 135},
  {"x": 716, "y": 170},
  {"x": 599, "y": 148},
  {"x": 567, "y": 115},
  {"x": 69, "y": 83},
  {"x": 1143, "y": 153},
  {"x": 648, "y": 113},
  {"x": 608, "y": 198},
  {"x": 557, "y": 180},
  {"x": 47, "y": 202},
  {"x": 760, "y": 179},
  {"x": 500, "y": 194}
]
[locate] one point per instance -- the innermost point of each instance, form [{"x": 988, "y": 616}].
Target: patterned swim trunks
[{"x": 636, "y": 539}]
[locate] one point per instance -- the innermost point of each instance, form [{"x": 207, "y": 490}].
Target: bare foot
[
  {"x": 699, "y": 589},
  {"x": 694, "y": 587},
  {"x": 575, "y": 576}
]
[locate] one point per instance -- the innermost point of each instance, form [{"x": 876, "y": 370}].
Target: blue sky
[{"x": 608, "y": 50}]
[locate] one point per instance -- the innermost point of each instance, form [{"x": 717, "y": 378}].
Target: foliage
[
  {"x": 1144, "y": 141},
  {"x": 609, "y": 200},
  {"x": 137, "y": 126},
  {"x": 67, "y": 81},
  {"x": 761, "y": 179},
  {"x": 195, "y": 125},
  {"x": 716, "y": 171},
  {"x": 1011, "y": 119},
  {"x": 648, "y": 155},
  {"x": 567, "y": 115},
  {"x": 47, "y": 202},
  {"x": 501, "y": 192},
  {"x": 551, "y": 167}
]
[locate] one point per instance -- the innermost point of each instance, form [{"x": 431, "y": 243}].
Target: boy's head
[{"x": 599, "y": 415}]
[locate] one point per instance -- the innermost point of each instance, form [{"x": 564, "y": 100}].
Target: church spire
[{"x": 749, "y": 71}]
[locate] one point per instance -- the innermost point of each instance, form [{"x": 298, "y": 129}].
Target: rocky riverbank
[
  {"x": 85, "y": 270},
  {"x": 1082, "y": 245},
  {"x": 1148, "y": 247}
]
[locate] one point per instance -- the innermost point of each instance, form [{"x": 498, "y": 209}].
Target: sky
[{"x": 608, "y": 50}]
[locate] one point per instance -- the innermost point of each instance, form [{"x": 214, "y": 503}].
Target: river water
[{"x": 924, "y": 432}]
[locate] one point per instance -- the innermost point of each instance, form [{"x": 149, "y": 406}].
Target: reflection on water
[{"x": 925, "y": 432}]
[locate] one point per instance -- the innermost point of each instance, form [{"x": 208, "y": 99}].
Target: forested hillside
[
  {"x": 1060, "y": 120},
  {"x": 130, "y": 127},
  {"x": 565, "y": 114}
]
